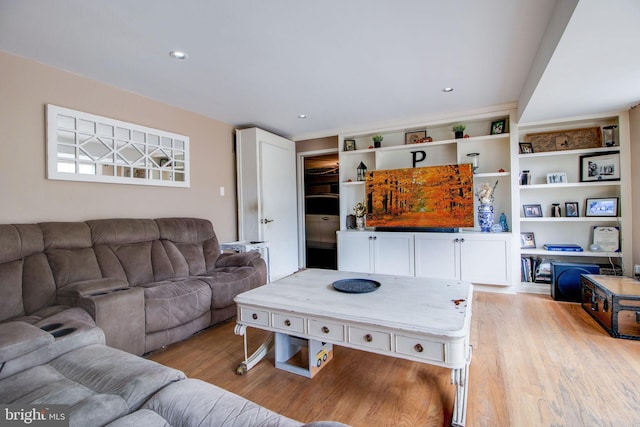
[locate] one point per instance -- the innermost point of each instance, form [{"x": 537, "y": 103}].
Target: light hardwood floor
[{"x": 536, "y": 362}]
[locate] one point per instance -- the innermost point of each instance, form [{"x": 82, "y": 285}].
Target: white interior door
[{"x": 278, "y": 205}]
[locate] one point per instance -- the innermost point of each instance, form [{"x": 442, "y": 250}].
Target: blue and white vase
[{"x": 485, "y": 216}]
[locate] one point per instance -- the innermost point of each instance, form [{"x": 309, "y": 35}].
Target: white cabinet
[
  {"x": 380, "y": 253},
  {"x": 576, "y": 187},
  {"x": 476, "y": 257}
]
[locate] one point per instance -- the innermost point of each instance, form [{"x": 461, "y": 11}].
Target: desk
[{"x": 247, "y": 246}]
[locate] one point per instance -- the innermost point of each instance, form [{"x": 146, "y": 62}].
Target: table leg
[
  {"x": 460, "y": 377},
  {"x": 258, "y": 355}
]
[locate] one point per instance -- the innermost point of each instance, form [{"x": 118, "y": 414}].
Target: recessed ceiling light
[
  {"x": 447, "y": 89},
  {"x": 302, "y": 116},
  {"x": 178, "y": 54}
]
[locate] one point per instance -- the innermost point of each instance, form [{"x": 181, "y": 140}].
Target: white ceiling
[{"x": 346, "y": 64}]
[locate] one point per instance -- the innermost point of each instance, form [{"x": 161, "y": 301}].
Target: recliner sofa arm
[
  {"x": 20, "y": 338},
  {"x": 238, "y": 259},
  {"x": 88, "y": 288}
]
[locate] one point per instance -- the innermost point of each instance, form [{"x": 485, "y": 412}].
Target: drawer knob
[
  {"x": 255, "y": 316},
  {"x": 418, "y": 348},
  {"x": 287, "y": 322},
  {"x": 368, "y": 338},
  {"x": 325, "y": 330}
]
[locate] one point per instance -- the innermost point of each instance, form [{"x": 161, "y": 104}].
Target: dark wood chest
[{"x": 614, "y": 302}]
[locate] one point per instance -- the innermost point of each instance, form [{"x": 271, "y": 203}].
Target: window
[{"x": 86, "y": 147}]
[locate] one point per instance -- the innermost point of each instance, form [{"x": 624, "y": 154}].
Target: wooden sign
[{"x": 559, "y": 140}]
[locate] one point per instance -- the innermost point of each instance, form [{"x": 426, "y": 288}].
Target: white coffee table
[{"x": 419, "y": 319}]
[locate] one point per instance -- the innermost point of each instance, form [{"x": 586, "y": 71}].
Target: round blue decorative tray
[{"x": 356, "y": 286}]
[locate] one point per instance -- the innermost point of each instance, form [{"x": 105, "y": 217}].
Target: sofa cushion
[
  {"x": 45, "y": 385},
  {"x": 119, "y": 231},
  {"x": 110, "y": 371},
  {"x": 73, "y": 265},
  {"x": 172, "y": 303},
  {"x": 196, "y": 403},
  {"x": 226, "y": 283},
  {"x": 65, "y": 235},
  {"x": 11, "y": 304},
  {"x": 194, "y": 238}
]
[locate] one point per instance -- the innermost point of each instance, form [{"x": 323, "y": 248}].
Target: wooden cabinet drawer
[
  {"x": 288, "y": 323},
  {"x": 370, "y": 338},
  {"x": 419, "y": 347},
  {"x": 254, "y": 317},
  {"x": 326, "y": 330}
]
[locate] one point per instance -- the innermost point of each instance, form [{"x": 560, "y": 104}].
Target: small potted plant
[
  {"x": 377, "y": 139},
  {"x": 458, "y": 130},
  {"x": 360, "y": 210}
]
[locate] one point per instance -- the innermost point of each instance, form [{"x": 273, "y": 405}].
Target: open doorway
[{"x": 321, "y": 210}]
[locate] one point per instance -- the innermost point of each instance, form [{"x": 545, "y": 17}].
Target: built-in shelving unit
[
  {"x": 576, "y": 230},
  {"x": 481, "y": 257},
  {"x": 494, "y": 160}
]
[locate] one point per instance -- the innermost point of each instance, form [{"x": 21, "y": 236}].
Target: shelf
[
  {"x": 461, "y": 141},
  {"x": 490, "y": 174},
  {"x": 572, "y": 219},
  {"x": 571, "y": 185},
  {"x": 568, "y": 152},
  {"x": 353, "y": 183},
  {"x": 542, "y": 252}
]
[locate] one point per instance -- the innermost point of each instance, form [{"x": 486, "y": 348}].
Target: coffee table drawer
[
  {"x": 419, "y": 347},
  {"x": 254, "y": 317},
  {"x": 288, "y": 323},
  {"x": 322, "y": 330},
  {"x": 370, "y": 338}
]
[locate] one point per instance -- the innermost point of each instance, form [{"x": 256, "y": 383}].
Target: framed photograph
[
  {"x": 557, "y": 178},
  {"x": 532, "y": 211},
  {"x": 571, "y": 209},
  {"x": 600, "y": 167},
  {"x": 526, "y": 148},
  {"x": 415, "y": 137},
  {"x": 607, "y": 206},
  {"x": 498, "y": 127},
  {"x": 527, "y": 240},
  {"x": 349, "y": 144}
]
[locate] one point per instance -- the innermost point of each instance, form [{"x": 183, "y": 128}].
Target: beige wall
[
  {"x": 634, "y": 122},
  {"x": 316, "y": 144},
  {"x": 27, "y": 196}
]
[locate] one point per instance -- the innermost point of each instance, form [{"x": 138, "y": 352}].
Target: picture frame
[
  {"x": 527, "y": 240},
  {"x": 600, "y": 167},
  {"x": 498, "y": 126},
  {"x": 557, "y": 178},
  {"x": 606, "y": 239},
  {"x": 526, "y": 147},
  {"x": 601, "y": 206},
  {"x": 571, "y": 209},
  {"x": 532, "y": 211},
  {"x": 416, "y": 137},
  {"x": 349, "y": 145}
]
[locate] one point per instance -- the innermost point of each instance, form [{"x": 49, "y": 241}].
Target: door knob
[{"x": 265, "y": 221}]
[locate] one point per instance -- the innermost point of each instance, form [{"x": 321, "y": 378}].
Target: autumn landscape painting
[{"x": 427, "y": 197}]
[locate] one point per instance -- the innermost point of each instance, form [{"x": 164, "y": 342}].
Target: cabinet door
[
  {"x": 354, "y": 251},
  {"x": 393, "y": 253},
  {"x": 485, "y": 259},
  {"x": 437, "y": 256}
]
